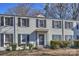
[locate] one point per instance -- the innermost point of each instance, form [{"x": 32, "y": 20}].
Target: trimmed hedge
[
  {"x": 59, "y": 44},
  {"x": 76, "y": 44}
]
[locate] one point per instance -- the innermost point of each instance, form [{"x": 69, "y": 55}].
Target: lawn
[{"x": 42, "y": 52}]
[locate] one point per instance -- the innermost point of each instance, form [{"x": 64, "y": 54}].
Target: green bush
[
  {"x": 64, "y": 44},
  {"x": 55, "y": 44},
  {"x": 59, "y": 44},
  {"x": 76, "y": 44},
  {"x": 13, "y": 47},
  {"x": 7, "y": 49}
]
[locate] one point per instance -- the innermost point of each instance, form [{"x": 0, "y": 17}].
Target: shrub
[
  {"x": 59, "y": 44},
  {"x": 55, "y": 44},
  {"x": 65, "y": 44},
  {"x": 13, "y": 47},
  {"x": 30, "y": 46},
  {"x": 76, "y": 44}
]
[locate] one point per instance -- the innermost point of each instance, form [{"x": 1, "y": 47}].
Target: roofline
[{"x": 36, "y": 17}]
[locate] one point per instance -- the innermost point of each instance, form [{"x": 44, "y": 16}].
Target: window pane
[
  {"x": 56, "y": 24},
  {"x": 23, "y": 22},
  {"x": 8, "y": 38},
  {"x": 56, "y": 37},
  {"x": 9, "y": 21},
  {"x": 68, "y": 25},
  {"x": 68, "y": 37},
  {"x": 41, "y": 23}
]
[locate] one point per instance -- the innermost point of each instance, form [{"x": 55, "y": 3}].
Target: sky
[{"x": 5, "y": 6}]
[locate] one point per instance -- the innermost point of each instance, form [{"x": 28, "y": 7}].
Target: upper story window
[
  {"x": 40, "y": 23},
  {"x": 23, "y": 22},
  {"x": 56, "y": 24},
  {"x": 9, "y": 21},
  {"x": 6, "y": 21},
  {"x": 68, "y": 25}
]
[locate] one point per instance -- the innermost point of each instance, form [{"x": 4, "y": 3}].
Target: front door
[{"x": 41, "y": 39}]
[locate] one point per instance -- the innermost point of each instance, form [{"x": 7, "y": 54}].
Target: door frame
[{"x": 38, "y": 33}]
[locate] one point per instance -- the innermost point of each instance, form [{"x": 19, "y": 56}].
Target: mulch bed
[{"x": 42, "y": 52}]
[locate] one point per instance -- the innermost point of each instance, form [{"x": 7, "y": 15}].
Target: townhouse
[{"x": 39, "y": 30}]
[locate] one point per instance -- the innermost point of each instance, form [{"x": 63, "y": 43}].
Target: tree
[
  {"x": 60, "y": 10},
  {"x": 24, "y": 9}
]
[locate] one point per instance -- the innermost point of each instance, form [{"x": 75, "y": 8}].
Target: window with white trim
[
  {"x": 8, "y": 38},
  {"x": 23, "y": 22},
  {"x": 56, "y": 24},
  {"x": 8, "y": 21},
  {"x": 68, "y": 25},
  {"x": 56, "y": 37},
  {"x": 40, "y": 23},
  {"x": 68, "y": 37},
  {"x": 23, "y": 38}
]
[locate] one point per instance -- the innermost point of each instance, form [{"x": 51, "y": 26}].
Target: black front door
[{"x": 41, "y": 39}]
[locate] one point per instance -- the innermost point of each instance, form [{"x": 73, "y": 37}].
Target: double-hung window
[
  {"x": 68, "y": 37},
  {"x": 23, "y": 38},
  {"x": 23, "y": 22},
  {"x": 40, "y": 23},
  {"x": 8, "y": 38},
  {"x": 68, "y": 25},
  {"x": 56, "y": 37},
  {"x": 56, "y": 24},
  {"x": 9, "y": 21}
]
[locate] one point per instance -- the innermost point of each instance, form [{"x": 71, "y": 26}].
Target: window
[
  {"x": 1, "y": 21},
  {"x": 68, "y": 37},
  {"x": 68, "y": 25},
  {"x": 23, "y": 22},
  {"x": 23, "y": 39},
  {"x": 8, "y": 38},
  {"x": 77, "y": 37},
  {"x": 56, "y": 24},
  {"x": 9, "y": 21},
  {"x": 56, "y": 37},
  {"x": 40, "y": 23}
]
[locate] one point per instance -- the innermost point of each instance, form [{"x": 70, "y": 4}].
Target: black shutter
[
  {"x": 2, "y": 21},
  {"x": 27, "y": 39},
  {"x": 27, "y": 22},
  {"x": 36, "y": 22},
  {"x": 45, "y": 23},
  {"x": 52, "y": 24},
  {"x": 19, "y": 39},
  {"x": 2, "y": 40},
  {"x": 11, "y": 21},
  {"x": 19, "y": 22}
]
